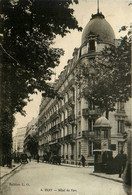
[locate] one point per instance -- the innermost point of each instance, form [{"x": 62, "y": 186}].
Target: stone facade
[{"x": 69, "y": 122}]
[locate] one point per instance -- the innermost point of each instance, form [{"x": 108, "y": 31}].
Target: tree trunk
[{"x": 107, "y": 114}]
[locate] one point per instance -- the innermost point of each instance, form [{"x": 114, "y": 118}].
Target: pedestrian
[
  {"x": 38, "y": 158},
  {"x": 127, "y": 176},
  {"x": 121, "y": 160},
  {"x": 83, "y": 161}
]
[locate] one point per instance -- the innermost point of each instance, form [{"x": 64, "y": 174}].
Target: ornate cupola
[
  {"x": 97, "y": 33},
  {"x": 100, "y": 28}
]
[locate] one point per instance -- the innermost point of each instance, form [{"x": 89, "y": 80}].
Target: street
[{"x": 46, "y": 179}]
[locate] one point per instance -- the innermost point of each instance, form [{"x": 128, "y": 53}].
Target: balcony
[
  {"x": 120, "y": 115},
  {"x": 54, "y": 116},
  {"x": 88, "y": 134},
  {"x": 62, "y": 139},
  {"x": 62, "y": 124},
  {"x": 91, "y": 113},
  {"x": 66, "y": 121},
  {"x": 53, "y": 129},
  {"x": 59, "y": 140},
  {"x": 70, "y": 138},
  {"x": 59, "y": 125},
  {"x": 71, "y": 101},
  {"x": 53, "y": 141},
  {"x": 71, "y": 118}
]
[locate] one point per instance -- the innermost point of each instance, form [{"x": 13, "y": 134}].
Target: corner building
[{"x": 69, "y": 122}]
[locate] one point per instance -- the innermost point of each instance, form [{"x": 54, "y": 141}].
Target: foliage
[
  {"x": 29, "y": 28},
  {"x": 32, "y": 145},
  {"x": 106, "y": 79},
  {"x": 28, "y": 57}
]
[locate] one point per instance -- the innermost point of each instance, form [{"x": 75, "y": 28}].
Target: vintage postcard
[{"x": 72, "y": 59}]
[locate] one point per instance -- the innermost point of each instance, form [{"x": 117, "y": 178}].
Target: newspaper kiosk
[{"x": 101, "y": 159}]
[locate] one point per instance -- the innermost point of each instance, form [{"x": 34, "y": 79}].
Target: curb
[
  {"x": 74, "y": 166},
  {"x": 9, "y": 172},
  {"x": 116, "y": 180}
]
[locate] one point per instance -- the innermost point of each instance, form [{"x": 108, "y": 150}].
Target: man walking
[
  {"x": 83, "y": 161},
  {"x": 38, "y": 158}
]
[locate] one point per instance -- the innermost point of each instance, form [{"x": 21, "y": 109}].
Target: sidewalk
[
  {"x": 113, "y": 177},
  {"x": 6, "y": 171}
]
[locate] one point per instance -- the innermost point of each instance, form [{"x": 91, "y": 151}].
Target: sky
[{"x": 117, "y": 13}]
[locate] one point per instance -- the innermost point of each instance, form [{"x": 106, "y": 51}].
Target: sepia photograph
[{"x": 65, "y": 97}]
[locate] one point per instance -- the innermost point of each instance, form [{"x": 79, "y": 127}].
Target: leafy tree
[
  {"x": 106, "y": 80},
  {"x": 32, "y": 145},
  {"x": 28, "y": 57}
]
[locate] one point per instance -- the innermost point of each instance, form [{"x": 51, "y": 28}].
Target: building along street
[{"x": 46, "y": 179}]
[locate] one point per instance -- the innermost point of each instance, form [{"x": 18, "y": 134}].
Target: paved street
[{"x": 45, "y": 179}]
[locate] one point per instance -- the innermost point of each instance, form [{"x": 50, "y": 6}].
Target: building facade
[
  {"x": 31, "y": 130},
  {"x": 18, "y": 141},
  {"x": 69, "y": 122}
]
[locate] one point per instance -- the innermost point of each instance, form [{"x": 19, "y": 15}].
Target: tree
[
  {"x": 29, "y": 28},
  {"x": 32, "y": 145},
  {"x": 107, "y": 78}
]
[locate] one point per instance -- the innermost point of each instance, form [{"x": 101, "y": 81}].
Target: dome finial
[{"x": 97, "y": 6}]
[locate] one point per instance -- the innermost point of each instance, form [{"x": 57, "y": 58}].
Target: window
[
  {"x": 97, "y": 133},
  {"x": 121, "y": 126},
  {"x": 79, "y": 126},
  {"x": 72, "y": 129},
  {"x": 67, "y": 149},
  {"x": 120, "y": 106},
  {"x": 106, "y": 134},
  {"x": 90, "y": 124},
  {"x": 92, "y": 45},
  {"x": 73, "y": 93},
  {"x": 120, "y": 147},
  {"x": 90, "y": 149},
  {"x": 79, "y": 149},
  {"x": 91, "y": 106},
  {"x": 113, "y": 146}
]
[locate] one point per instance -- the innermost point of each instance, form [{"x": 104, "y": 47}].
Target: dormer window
[{"x": 91, "y": 45}]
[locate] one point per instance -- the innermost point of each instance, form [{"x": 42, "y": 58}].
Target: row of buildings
[
  {"x": 23, "y": 135},
  {"x": 72, "y": 123}
]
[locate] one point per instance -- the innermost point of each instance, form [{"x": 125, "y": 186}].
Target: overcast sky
[{"x": 117, "y": 13}]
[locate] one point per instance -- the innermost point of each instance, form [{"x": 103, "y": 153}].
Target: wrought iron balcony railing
[
  {"x": 88, "y": 134},
  {"x": 91, "y": 113}
]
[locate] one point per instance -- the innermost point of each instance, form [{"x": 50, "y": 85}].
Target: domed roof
[
  {"x": 102, "y": 122},
  {"x": 100, "y": 27}
]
